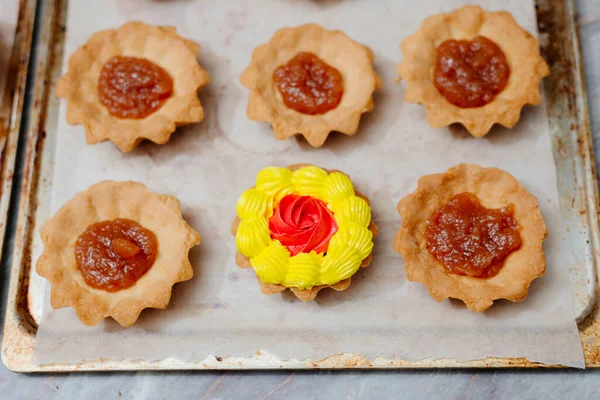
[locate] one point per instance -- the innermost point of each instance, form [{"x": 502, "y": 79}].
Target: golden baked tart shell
[
  {"x": 160, "y": 45},
  {"x": 527, "y": 68},
  {"x": 110, "y": 200},
  {"x": 494, "y": 188},
  {"x": 353, "y": 60},
  {"x": 303, "y": 294}
]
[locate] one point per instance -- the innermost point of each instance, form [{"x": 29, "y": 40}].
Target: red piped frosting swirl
[{"x": 302, "y": 224}]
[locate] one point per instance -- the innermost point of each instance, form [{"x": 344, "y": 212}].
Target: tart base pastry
[
  {"x": 351, "y": 59},
  {"x": 134, "y": 39},
  {"x": 527, "y": 68},
  {"x": 495, "y": 189},
  {"x": 110, "y": 200},
  {"x": 303, "y": 294}
]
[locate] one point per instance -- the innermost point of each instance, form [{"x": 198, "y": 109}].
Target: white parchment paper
[{"x": 221, "y": 312}]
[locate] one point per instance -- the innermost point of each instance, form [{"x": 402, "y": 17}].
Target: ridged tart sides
[
  {"x": 527, "y": 68},
  {"x": 110, "y": 200},
  {"x": 160, "y": 45},
  {"x": 353, "y": 238},
  {"x": 494, "y": 188},
  {"x": 353, "y": 60}
]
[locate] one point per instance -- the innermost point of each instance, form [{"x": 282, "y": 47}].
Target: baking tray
[
  {"x": 578, "y": 199},
  {"x": 12, "y": 105}
]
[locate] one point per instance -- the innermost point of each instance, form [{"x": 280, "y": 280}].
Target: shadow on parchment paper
[
  {"x": 188, "y": 138},
  {"x": 199, "y": 136},
  {"x": 365, "y": 279},
  {"x": 500, "y": 306},
  {"x": 324, "y": 4},
  {"x": 331, "y": 298},
  {"x": 162, "y": 153},
  {"x": 131, "y": 7},
  {"x": 327, "y": 3},
  {"x": 498, "y": 134},
  {"x": 188, "y": 289},
  {"x": 374, "y": 125},
  {"x": 537, "y": 287}
]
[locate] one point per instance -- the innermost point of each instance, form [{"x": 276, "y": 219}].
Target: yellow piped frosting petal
[
  {"x": 354, "y": 210},
  {"x": 339, "y": 188},
  {"x": 272, "y": 263},
  {"x": 349, "y": 246},
  {"x": 252, "y": 236},
  {"x": 303, "y": 271},
  {"x": 254, "y": 203},
  {"x": 310, "y": 181},
  {"x": 275, "y": 182},
  {"x": 339, "y": 264},
  {"x": 355, "y": 236}
]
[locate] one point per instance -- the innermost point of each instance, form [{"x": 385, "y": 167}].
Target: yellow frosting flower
[{"x": 273, "y": 263}]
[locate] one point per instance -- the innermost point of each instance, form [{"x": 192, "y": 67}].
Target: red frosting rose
[{"x": 302, "y": 224}]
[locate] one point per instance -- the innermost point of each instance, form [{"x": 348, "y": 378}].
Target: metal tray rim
[
  {"x": 17, "y": 354},
  {"x": 14, "y": 100}
]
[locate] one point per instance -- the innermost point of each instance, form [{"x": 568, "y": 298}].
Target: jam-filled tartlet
[
  {"x": 473, "y": 234},
  {"x": 472, "y": 67},
  {"x": 115, "y": 249},
  {"x": 133, "y": 83},
  {"x": 310, "y": 81},
  {"x": 303, "y": 228}
]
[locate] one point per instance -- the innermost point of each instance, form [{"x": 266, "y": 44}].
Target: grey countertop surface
[{"x": 467, "y": 384}]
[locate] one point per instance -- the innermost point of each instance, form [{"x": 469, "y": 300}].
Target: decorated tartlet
[
  {"x": 133, "y": 83},
  {"x": 472, "y": 67},
  {"x": 310, "y": 81},
  {"x": 473, "y": 234},
  {"x": 303, "y": 228},
  {"x": 115, "y": 249}
]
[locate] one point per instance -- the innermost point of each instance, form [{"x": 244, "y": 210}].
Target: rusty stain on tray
[
  {"x": 562, "y": 86},
  {"x": 12, "y": 106},
  {"x": 555, "y": 20}
]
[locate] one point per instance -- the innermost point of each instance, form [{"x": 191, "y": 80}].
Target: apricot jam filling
[
  {"x": 469, "y": 239},
  {"x": 470, "y": 73},
  {"x": 309, "y": 85},
  {"x": 131, "y": 87},
  {"x": 114, "y": 255}
]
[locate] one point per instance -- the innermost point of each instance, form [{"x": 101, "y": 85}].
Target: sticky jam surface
[
  {"x": 309, "y": 85},
  {"x": 114, "y": 255},
  {"x": 132, "y": 87},
  {"x": 470, "y": 73},
  {"x": 471, "y": 240}
]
